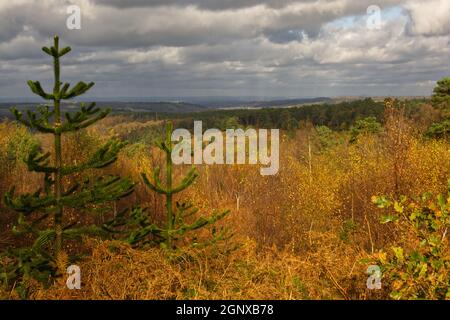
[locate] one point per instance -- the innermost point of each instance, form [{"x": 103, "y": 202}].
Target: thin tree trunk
[
  {"x": 169, "y": 208},
  {"x": 58, "y": 155}
]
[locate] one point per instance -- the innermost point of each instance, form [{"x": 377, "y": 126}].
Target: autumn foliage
[{"x": 370, "y": 191}]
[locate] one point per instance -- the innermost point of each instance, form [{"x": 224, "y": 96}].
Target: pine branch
[
  {"x": 136, "y": 228},
  {"x": 46, "y": 114},
  {"x": 164, "y": 146},
  {"x": 83, "y": 118},
  {"x": 39, "y": 123},
  {"x": 107, "y": 154},
  {"x": 108, "y": 188},
  {"x": 38, "y": 162},
  {"x": 33, "y": 121},
  {"x": 44, "y": 238},
  {"x": 36, "y": 88},
  {"x": 199, "y": 223},
  {"x": 79, "y": 89},
  {"x": 141, "y": 235},
  {"x": 119, "y": 221},
  {"x": 223, "y": 235},
  {"x": 72, "y": 233},
  {"x": 187, "y": 181},
  {"x": 23, "y": 227},
  {"x": 52, "y": 51},
  {"x": 19, "y": 117},
  {"x": 29, "y": 202},
  {"x": 103, "y": 157},
  {"x": 184, "y": 210},
  {"x": 156, "y": 185}
]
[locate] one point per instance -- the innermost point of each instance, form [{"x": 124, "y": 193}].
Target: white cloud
[
  {"x": 430, "y": 17},
  {"x": 230, "y": 47}
]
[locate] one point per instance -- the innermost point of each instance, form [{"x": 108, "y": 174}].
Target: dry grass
[
  {"x": 291, "y": 227},
  {"x": 116, "y": 271}
]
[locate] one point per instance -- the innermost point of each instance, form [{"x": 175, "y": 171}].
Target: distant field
[
  {"x": 173, "y": 107},
  {"x": 198, "y": 105},
  {"x": 117, "y": 107}
]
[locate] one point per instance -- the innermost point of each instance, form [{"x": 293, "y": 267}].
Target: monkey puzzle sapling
[{"x": 46, "y": 206}]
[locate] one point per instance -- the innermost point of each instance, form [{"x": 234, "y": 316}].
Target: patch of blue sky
[{"x": 386, "y": 14}]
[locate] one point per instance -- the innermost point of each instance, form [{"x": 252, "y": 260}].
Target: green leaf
[
  {"x": 395, "y": 295},
  {"x": 423, "y": 270},
  {"x": 416, "y": 256},
  {"x": 398, "y": 251},
  {"x": 381, "y": 202},
  {"x": 398, "y": 207},
  {"x": 388, "y": 218}
]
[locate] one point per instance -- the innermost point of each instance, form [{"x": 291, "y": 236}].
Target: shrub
[{"x": 418, "y": 267}]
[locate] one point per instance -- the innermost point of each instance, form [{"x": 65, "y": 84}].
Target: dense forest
[{"x": 337, "y": 116}]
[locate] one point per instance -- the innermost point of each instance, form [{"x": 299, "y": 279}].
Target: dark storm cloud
[
  {"x": 182, "y": 25},
  {"x": 204, "y": 4},
  {"x": 247, "y": 48},
  {"x": 11, "y": 24}
]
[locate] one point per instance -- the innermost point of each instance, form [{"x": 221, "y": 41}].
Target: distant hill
[
  {"x": 275, "y": 103},
  {"x": 196, "y": 105},
  {"x": 117, "y": 107}
]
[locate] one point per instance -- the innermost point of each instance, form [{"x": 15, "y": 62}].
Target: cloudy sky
[{"x": 264, "y": 49}]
